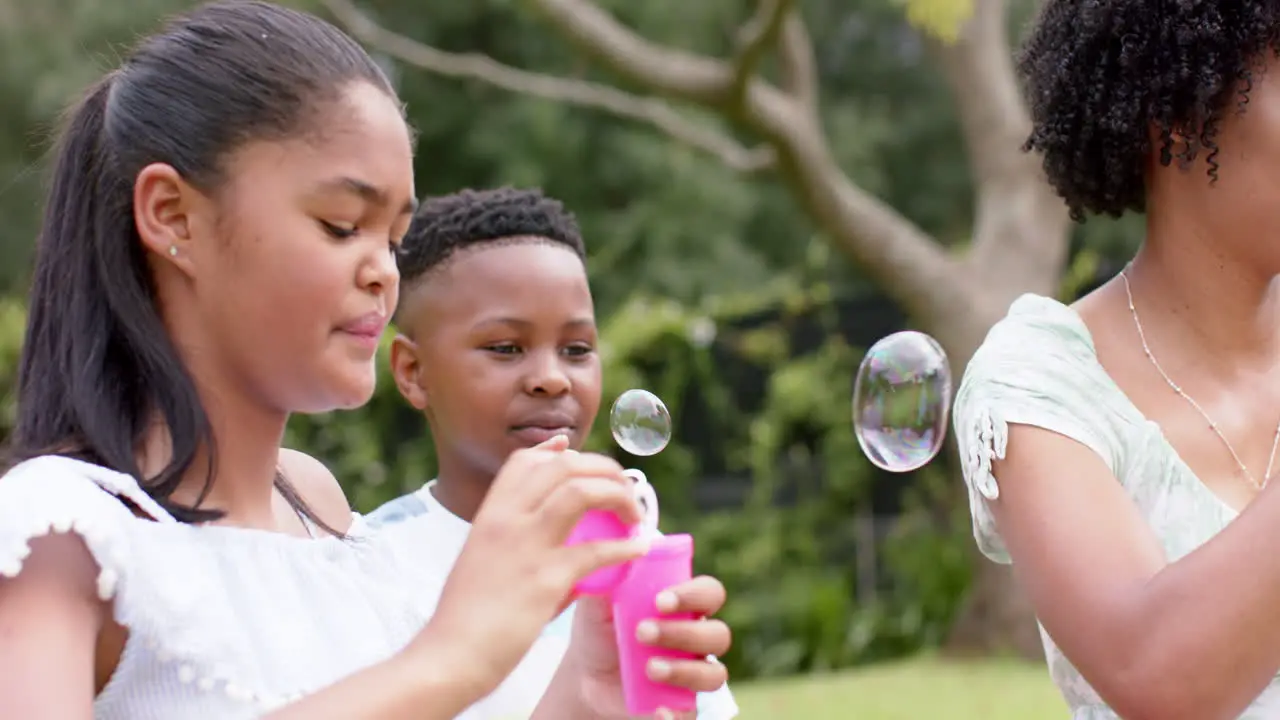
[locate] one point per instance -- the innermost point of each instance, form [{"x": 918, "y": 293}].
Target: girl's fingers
[
  {"x": 585, "y": 558},
  {"x": 566, "y": 503}
]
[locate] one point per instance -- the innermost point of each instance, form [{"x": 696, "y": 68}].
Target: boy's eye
[
  {"x": 338, "y": 232},
  {"x": 579, "y": 350},
  {"x": 503, "y": 348}
]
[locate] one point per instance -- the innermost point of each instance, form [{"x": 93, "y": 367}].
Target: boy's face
[{"x": 498, "y": 347}]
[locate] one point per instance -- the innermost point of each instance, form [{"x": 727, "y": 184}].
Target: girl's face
[{"x": 282, "y": 281}]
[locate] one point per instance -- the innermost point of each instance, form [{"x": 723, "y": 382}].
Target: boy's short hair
[{"x": 446, "y": 224}]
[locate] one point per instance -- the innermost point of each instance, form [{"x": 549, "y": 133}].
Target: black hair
[
  {"x": 97, "y": 367},
  {"x": 470, "y": 218},
  {"x": 1102, "y": 74}
]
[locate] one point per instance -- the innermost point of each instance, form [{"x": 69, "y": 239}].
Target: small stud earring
[{"x": 173, "y": 250}]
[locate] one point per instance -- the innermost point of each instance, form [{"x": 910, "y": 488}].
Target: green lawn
[{"x": 921, "y": 689}]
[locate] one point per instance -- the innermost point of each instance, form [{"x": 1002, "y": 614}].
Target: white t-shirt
[{"x": 518, "y": 695}]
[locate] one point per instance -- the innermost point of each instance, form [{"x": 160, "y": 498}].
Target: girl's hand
[
  {"x": 594, "y": 649},
  {"x": 515, "y": 573}
]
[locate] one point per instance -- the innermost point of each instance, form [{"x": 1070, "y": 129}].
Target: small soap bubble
[
  {"x": 901, "y": 401},
  {"x": 640, "y": 422}
]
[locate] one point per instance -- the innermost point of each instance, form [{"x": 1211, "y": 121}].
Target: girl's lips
[
  {"x": 368, "y": 342},
  {"x": 366, "y": 330},
  {"x": 371, "y": 325}
]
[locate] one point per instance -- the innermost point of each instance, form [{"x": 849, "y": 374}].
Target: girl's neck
[
  {"x": 244, "y": 459},
  {"x": 245, "y": 463}
]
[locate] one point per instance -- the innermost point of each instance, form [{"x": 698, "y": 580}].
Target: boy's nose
[{"x": 547, "y": 379}]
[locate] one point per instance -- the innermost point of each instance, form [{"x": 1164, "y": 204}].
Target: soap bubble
[
  {"x": 901, "y": 401},
  {"x": 640, "y": 422}
]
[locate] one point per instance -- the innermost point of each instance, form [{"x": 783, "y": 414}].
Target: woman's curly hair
[{"x": 1101, "y": 74}]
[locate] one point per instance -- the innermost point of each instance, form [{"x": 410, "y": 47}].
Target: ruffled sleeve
[
  {"x": 1037, "y": 367},
  {"x": 58, "y": 495}
]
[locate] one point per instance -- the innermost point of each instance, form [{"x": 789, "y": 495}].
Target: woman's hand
[
  {"x": 515, "y": 573},
  {"x": 593, "y": 652}
]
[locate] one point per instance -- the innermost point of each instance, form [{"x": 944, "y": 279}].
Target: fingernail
[
  {"x": 647, "y": 632},
  {"x": 664, "y": 714},
  {"x": 659, "y": 669},
  {"x": 666, "y": 601}
]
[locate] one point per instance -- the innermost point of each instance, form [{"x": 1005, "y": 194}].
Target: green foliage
[
  {"x": 12, "y": 325},
  {"x": 941, "y": 18}
]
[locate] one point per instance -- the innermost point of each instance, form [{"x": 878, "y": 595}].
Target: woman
[
  {"x": 217, "y": 252},
  {"x": 1118, "y": 451}
]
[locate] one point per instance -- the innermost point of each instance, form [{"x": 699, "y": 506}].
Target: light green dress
[{"x": 1038, "y": 366}]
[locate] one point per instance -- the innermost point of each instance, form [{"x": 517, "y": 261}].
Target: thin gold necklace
[{"x": 1146, "y": 349}]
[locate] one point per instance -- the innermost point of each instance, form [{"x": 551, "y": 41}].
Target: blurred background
[{"x": 766, "y": 189}]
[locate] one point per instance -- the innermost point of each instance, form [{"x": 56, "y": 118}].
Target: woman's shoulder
[
  {"x": 1040, "y": 351},
  {"x": 1036, "y": 325},
  {"x": 1038, "y": 366}
]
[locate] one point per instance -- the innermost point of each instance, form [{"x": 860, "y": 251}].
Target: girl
[{"x": 216, "y": 254}]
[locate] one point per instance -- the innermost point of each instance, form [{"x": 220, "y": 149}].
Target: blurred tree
[{"x": 1019, "y": 236}]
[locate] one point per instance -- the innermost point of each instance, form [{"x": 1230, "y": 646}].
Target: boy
[{"x": 497, "y": 347}]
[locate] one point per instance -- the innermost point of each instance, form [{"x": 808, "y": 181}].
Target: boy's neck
[{"x": 460, "y": 495}]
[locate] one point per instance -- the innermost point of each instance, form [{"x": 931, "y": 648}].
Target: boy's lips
[
  {"x": 540, "y": 427},
  {"x": 529, "y": 436}
]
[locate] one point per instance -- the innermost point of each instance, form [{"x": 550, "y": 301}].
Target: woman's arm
[{"x": 1198, "y": 638}]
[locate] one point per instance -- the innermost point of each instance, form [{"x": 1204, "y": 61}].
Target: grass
[{"x": 920, "y": 689}]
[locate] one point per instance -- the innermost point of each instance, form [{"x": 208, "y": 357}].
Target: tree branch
[
  {"x": 1010, "y": 183},
  {"x": 979, "y": 69},
  {"x": 799, "y": 66},
  {"x": 918, "y": 273},
  {"x": 582, "y": 93},
  {"x": 755, "y": 38},
  {"x": 676, "y": 74}
]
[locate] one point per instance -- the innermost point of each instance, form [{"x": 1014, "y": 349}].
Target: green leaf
[{"x": 943, "y": 19}]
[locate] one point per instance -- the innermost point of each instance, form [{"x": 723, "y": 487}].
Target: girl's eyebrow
[{"x": 368, "y": 192}]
